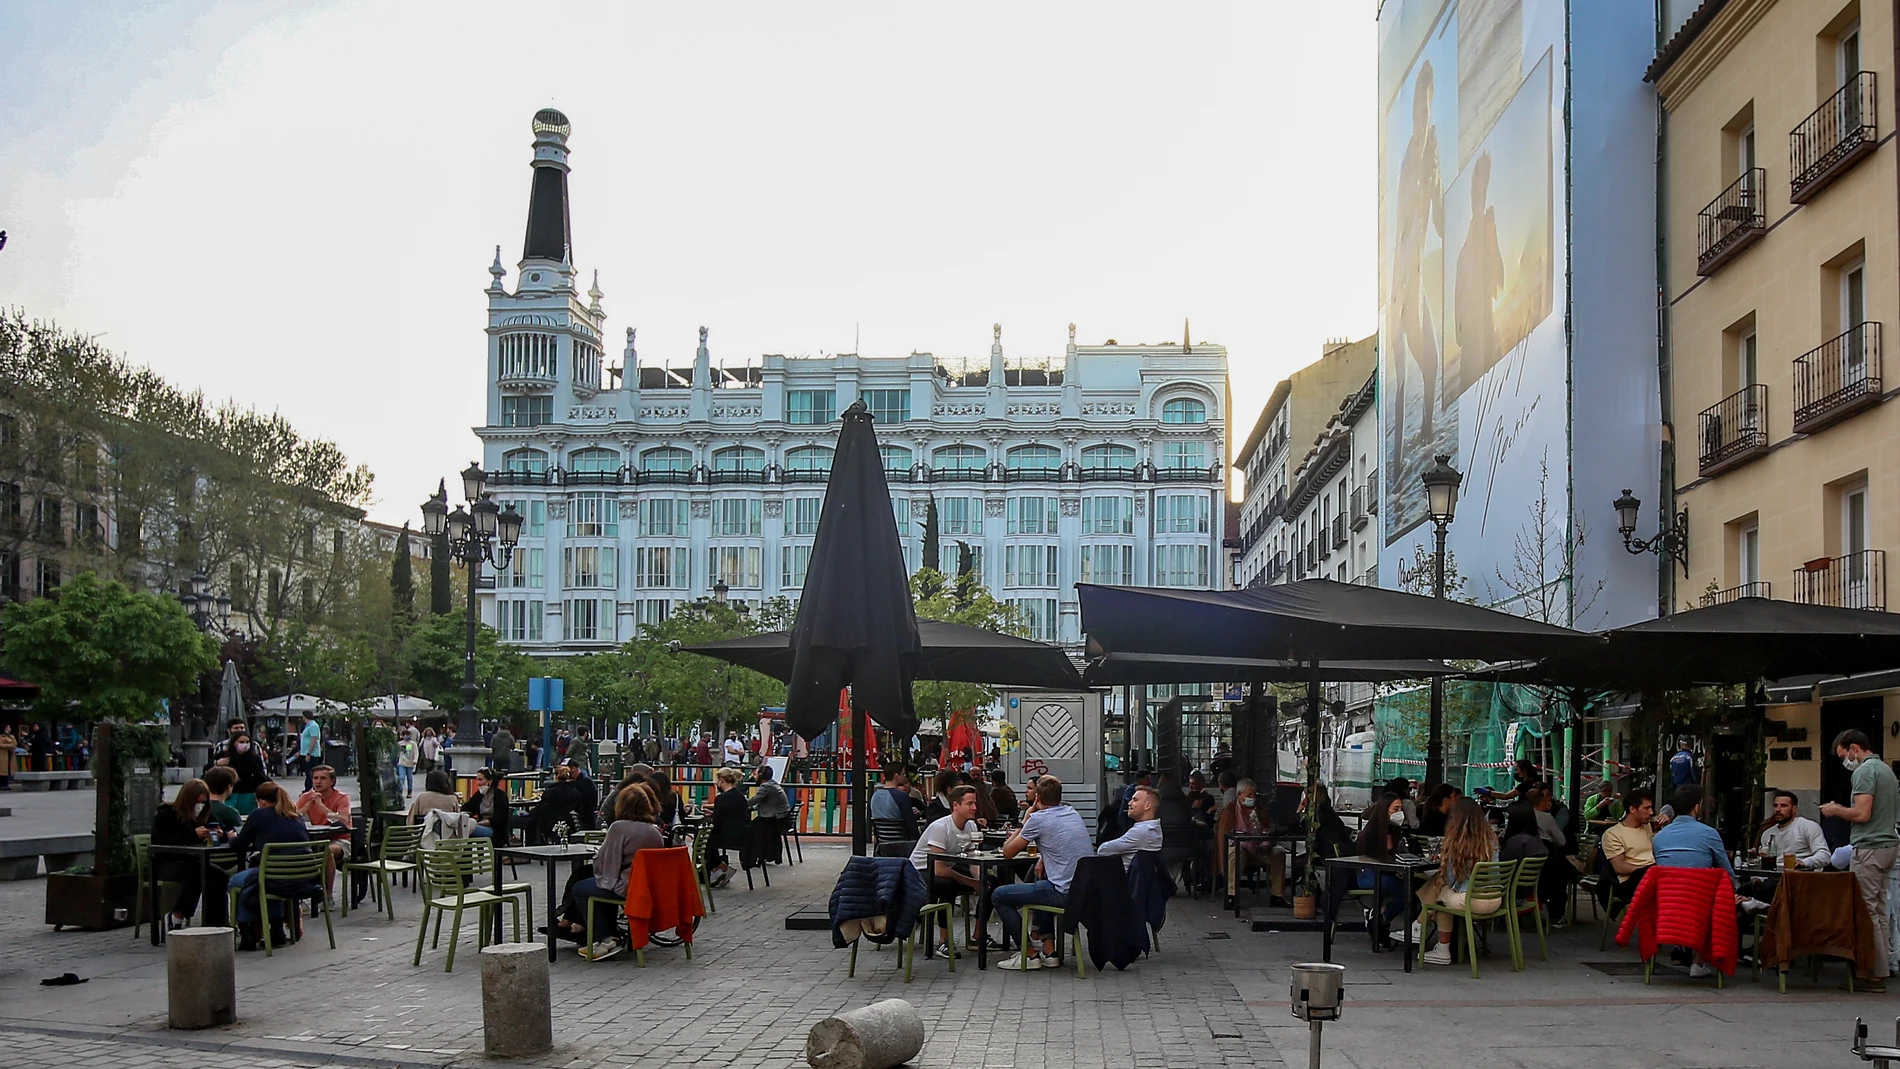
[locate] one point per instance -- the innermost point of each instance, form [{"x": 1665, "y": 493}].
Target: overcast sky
[{"x": 296, "y": 206}]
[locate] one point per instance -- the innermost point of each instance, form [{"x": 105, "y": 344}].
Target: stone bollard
[
  {"x": 201, "y": 976},
  {"x": 878, "y": 1036},
  {"x": 517, "y": 1018}
]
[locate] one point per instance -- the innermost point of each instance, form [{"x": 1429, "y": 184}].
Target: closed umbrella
[{"x": 230, "y": 698}]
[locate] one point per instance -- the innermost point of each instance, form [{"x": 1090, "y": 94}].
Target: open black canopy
[
  {"x": 1313, "y": 620},
  {"x": 1141, "y": 669},
  {"x": 950, "y": 653}
]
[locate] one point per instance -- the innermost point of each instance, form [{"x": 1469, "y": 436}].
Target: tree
[
  {"x": 402, "y": 582},
  {"x": 1543, "y": 574},
  {"x": 933, "y": 538},
  {"x": 433, "y": 657},
  {"x": 961, "y": 600},
  {"x": 688, "y": 689},
  {"x": 100, "y": 647}
]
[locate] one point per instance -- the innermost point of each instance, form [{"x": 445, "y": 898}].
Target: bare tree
[{"x": 1542, "y": 576}]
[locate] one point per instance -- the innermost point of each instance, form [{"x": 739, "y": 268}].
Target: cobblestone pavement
[{"x": 1214, "y": 997}]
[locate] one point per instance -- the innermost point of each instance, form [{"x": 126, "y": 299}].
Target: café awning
[{"x": 950, "y": 653}]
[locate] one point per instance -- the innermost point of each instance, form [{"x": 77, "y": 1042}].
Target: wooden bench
[
  {"x": 54, "y": 781},
  {"x": 20, "y": 858}
]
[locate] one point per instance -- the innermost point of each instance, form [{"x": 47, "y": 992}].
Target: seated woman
[
  {"x": 275, "y": 820},
  {"x": 1468, "y": 841},
  {"x": 438, "y": 794},
  {"x": 187, "y": 822},
  {"x": 1431, "y": 816},
  {"x": 731, "y": 819},
  {"x": 635, "y": 828},
  {"x": 669, "y": 813},
  {"x": 489, "y": 806},
  {"x": 1381, "y": 833}
]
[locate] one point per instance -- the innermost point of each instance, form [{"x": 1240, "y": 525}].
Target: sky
[{"x": 295, "y": 206}]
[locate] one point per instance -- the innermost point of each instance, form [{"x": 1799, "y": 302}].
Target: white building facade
[{"x": 645, "y": 485}]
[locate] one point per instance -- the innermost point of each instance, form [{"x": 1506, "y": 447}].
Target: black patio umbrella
[
  {"x": 951, "y": 653},
  {"x": 1140, "y": 669},
  {"x": 856, "y": 624}
]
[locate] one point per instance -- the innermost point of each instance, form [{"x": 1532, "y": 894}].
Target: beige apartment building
[{"x": 1781, "y": 210}]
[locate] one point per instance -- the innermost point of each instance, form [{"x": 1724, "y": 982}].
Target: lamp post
[
  {"x": 1672, "y": 538},
  {"x": 484, "y": 532},
  {"x": 212, "y": 615},
  {"x": 1441, "y": 503}
]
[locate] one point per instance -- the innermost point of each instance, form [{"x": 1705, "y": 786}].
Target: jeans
[
  {"x": 309, "y": 762},
  {"x": 606, "y": 910},
  {"x": 406, "y": 776},
  {"x": 483, "y": 831},
  {"x": 1393, "y": 890},
  {"x": 193, "y": 883},
  {"x": 1009, "y": 899},
  {"x": 245, "y": 884}
]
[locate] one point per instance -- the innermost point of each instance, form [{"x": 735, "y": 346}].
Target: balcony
[
  {"x": 1836, "y": 136},
  {"x": 807, "y": 475},
  {"x": 1119, "y": 475},
  {"x": 1339, "y": 532},
  {"x": 1746, "y": 590},
  {"x": 1838, "y": 379},
  {"x": 591, "y": 478},
  {"x": 958, "y": 475},
  {"x": 1032, "y": 475},
  {"x": 551, "y": 477},
  {"x": 731, "y": 477},
  {"x": 662, "y": 476},
  {"x": 1211, "y": 473},
  {"x": 1854, "y": 581},
  {"x": 1732, "y": 222},
  {"x": 1364, "y": 505},
  {"x": 1735, "y": 430}
]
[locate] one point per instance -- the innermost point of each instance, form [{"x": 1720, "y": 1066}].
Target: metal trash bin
[{"x": 1318, "y": 989}]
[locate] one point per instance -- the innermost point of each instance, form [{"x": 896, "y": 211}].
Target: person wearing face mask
[
  {"x": 1246, "y": 817},
  {"x": 1380, "y": 836},
  {"x": 1876, "y": 803},
  {"x": 242, "y": 757},
  {"x": 186, "y": 822},
  {"x": 570, "y": 799}
]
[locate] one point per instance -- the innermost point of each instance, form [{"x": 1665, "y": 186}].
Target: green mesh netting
[{"x": 1480, "y": 740}]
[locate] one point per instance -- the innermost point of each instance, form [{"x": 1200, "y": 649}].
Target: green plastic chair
[
  {"x": 702, "y": 845},
  {"x": 1056, "y": 913},
  {"x": 142, "y": 850},
  {"x": 1587, "y": 848},
  {"x": 393, "y": 858},
  {"x": 1490, "y": 882},
  {"x": 1529, "y": 871},
  {"x": 482, "y": 852},
  {"x": 449, "y": 885},
  {"x": 288, "y": 865}
]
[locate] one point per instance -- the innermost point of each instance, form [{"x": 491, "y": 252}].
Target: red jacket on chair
[
  {"x": 1692, "y": 908},
  {"x": 662, "y": 893}
]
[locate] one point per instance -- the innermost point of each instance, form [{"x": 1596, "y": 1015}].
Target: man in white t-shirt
[
  {"x": 954, "y": 834},
  {"x": 1144, "y": 832},
  {"x": 734, "y": 749}
]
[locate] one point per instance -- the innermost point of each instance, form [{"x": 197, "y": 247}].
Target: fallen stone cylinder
[
  {"x": 517, "y": 1017},
  {"x": 200, "y": 977},
  {"x": 878, "y": 1036}
]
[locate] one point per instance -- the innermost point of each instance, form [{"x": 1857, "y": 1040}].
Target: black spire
[{"x": 549, "y": 235}]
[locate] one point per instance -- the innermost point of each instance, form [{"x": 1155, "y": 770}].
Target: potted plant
[{"x": 128, "y": 761}]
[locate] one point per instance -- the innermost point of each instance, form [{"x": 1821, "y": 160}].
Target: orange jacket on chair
[
  {"x": 1692, "y": 908},
  {"x": 662, "y": 893}
]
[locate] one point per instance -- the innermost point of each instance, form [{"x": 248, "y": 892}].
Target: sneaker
[
  {"x": 1700, "y": 971},
  {"x": 1754, "y": 905},
  {"x": 601, "y": 951},
  {"x": 1439, "y": 954},
  {"x": 1016, "y": 963},
  {"x": 1418, "y": 932}
]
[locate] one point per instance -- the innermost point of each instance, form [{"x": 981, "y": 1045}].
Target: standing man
[
  {"x": 309, "y": 748},
  {"x": 501, "y": 750},
  {"x": 734, "y": 749},
  {"x": 1682, "y": 771},
  {"x": 1876, "y": 804},
  {"x": 448, "y": 740}
]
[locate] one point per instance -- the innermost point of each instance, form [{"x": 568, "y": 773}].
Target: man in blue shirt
[
  {"x": 1687, "y": 843},
  {"x": 1682, "y": 771},
  {"x": 310, "y": 749},
  {"x": 1061, "y": 839}
]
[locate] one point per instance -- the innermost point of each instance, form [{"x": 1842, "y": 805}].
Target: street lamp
[
  {"x": 212, "y": 615},
  {"x": 1672, "y": 539},
  {"x": 483, "y": 532},
  {"x": 1441, "y": 503}
]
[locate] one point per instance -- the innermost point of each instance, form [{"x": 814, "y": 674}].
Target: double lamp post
[
  {"x": 482, "y": 532},
  {"x": 1441, "y": 503}
]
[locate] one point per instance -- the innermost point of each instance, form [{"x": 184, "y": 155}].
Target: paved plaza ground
[{"x": 1215, "y": 996}]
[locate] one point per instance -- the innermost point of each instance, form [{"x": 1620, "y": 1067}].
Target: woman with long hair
[
  {"x": 275, "y": 820},
  {"x": 1380, "y": 836},
  {"x": 1469, "y": 840},
  {"x": 488, "y": 804},
  {"x": 635, "y": 828},
  {"x": 185, "y": 821},
  {"x": 730, "y": 819}
]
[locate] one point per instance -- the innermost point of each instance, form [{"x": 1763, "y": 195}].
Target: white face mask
[
  {"x": 200, "y": 811},
  {"x": 1850, "y": 763},
  {"x": 243, "y": 747},
  {"x": 1248, "y": 802},
  {"x": 1397, "y": 816}
]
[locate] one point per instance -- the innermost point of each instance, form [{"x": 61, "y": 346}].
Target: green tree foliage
[
  {"x": 933, "y": 538},
  {"x": 402, "y": 583},
  {"x": 685, "y": 689},
  {"x": 111, "y": 652},
  {"x": 959, "y": 600},
  {"x": 433, "y": 657}
]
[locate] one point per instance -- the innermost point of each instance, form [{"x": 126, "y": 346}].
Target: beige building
[{"x": 1781, "y": 208}]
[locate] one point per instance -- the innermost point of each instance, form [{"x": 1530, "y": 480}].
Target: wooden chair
[
  {"x": 297, "y": 870},
  {"x": 449, "y": 884},
  {"x": 394, "y": 857},
  {"x": 1525, "y": 900}
]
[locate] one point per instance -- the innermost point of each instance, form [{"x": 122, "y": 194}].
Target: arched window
[
  {"x": 593, "y": 460},
  {"x": 897, "y": 459},
  {"x": 739, "y": 458},
  {"x": 1184, "y": 410},
  {"x": 959, "y": 458},
  {"x": 1105, "y": 459},
  {"x": 808, "y": 458},
  {"x": 528, "y": 460},
  {"x": 666, "y": 460},
  {"x": 1034, "y": 459}
]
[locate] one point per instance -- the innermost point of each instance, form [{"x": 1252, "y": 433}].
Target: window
[
  {"x": 1038, "y": 615},
  {"x": 520, "y": 620},
  {"x": 1747, "y": 356},
  {"x": 735, "y": 566},
  {"x": 900, "y": 511},
  {"x": 88, "y": 533},
  {"x": 810, "y": 406},
  {"x": 1034, "y": 460},
  {"x": 888, "y": 406},
  {"x": 593, "y": 516},
  {"x": 960, "y": 516},
  {"x": 1748, "y": 554},
  {"x": 897, "y": 459},
  {"x": 532, "y": 461},
  {"x": 1854, "y": 520},
  {"x": 659, "y": 566},
  {"x": 1108, "y": 514},
  {"x": 1184, "y": 456},
  {"x": 651, "y": 612},
  {"x": 9, "y": 575},
  {"x": 1181, "y": 514},
  {"x": 792, "y": 563},
  {"x": 47, "y": 580},
  {"x": 1181, "y": 566},
  {"x": 1184, "y": 410},
  {"x": 47, "y": 521},
  {"x": 593, "y": 460},
  {"x": 527, "y": 356},
  {"x": 589, "y": 619},
  {"x": 1108, "y": 564},
  {"x": 531, "y": 411},
  {"x": 801, "y": 515},
  {"x": 525, "y": 571},
  {"x": 585, "y": 566},
  {"x": 663, "y": 517},
  {"x": 1030, "y": 515},
  {"x": 1029, "y": 566},
  {"x": 1847, "y": 54},
  {"x": 1108, "y": 460},
  {"x": 737, "y": 516},
  {"x": 808, "y": 458},
  {"x": 666, "y": 460},
  {"x": 739, "y": 458},
  {"x": 959, "y": 458}
]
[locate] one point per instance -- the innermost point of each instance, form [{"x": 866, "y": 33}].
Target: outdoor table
[
  {"x": 547, "y": 855},
  {"x": 1234, "y": 841},
  {"x": 201, "y": 851},
  {"x": 393, "y": 816},
  {"x": 1407, "y": 873},
  {"x": 983, "y": 862}
]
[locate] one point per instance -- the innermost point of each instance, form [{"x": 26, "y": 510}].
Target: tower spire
[{"x": 549, "y": 236}]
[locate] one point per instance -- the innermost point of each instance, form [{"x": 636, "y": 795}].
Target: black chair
[
  {"x": 790, "y": 833},
  {"x": 889, "y": 829}
]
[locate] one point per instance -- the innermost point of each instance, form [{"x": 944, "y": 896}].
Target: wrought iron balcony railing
[
  {"x": 1746, "y": 590},
  {"x": 1735, "y": 429},
  {"x": 1834, "y": 138},
  {"x": 1339, "y": 532},
  {"x": 1853, "y": 581},
  {"x": 1733, "y": 221},
  {"x": 1837, "y": 379}
]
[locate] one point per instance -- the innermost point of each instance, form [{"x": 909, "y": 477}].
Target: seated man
[
  {"x": 768, "y": 798},
  {"x": 1687, "y": 843},
  {"x": 1603, "y": 805},
  {"x": 1629, "y": 848},
  {"x": 1061, "y": 838},
  {"x": 324, "y": 804},
  {"x": 953, "y": 834},
  {"x": 1144, "y": 830},
  {"x": 570, "y": 799},
  {"x": 1787, "y": 832},
  {"x": 892, "y": 801},
  {"x": 221, "y": 781}
]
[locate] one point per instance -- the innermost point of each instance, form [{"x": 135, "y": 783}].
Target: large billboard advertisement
[{"x": 1474, "y": 358}]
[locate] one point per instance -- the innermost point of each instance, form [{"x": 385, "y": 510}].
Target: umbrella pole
[
  {"x": 1309, "y": 882},
  {"x": 860, "y": 780}
]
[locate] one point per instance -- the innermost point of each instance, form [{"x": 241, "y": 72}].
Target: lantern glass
[
  {"x": 1441, "y": 490},
  {"x": 473, "y": 481},
  {"x": 509, "y": 523},
  {"x": 458, "y": 526},
  {"x": 1627, "y": 509},
  {"x": 485, "y": 513},
  {"x": 434, "y": 516}
]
